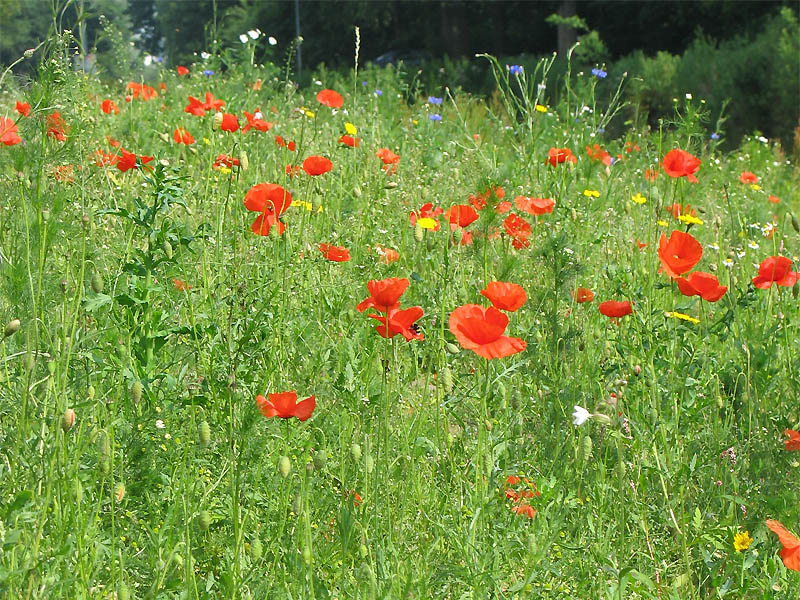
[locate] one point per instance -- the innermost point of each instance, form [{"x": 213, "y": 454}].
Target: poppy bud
[
  {"x": 369, "y": 463},
  {"x": 284, "y": 466},
  {"x": 297, "y": 505},
  {"x": 244, "y": 162},
  {"x": 90, "y": 392},
  {"x": 28, "y": 362},
  {"x": 119, "y": 491},
  {"x": 123, "y": 593},
  {"x": 204, "y": 520},
  {"x": 355, "y": 452},
  {"x": 12, "y": 327},
  {"x": 458, "y": 235},
  {"x": 637, "y": 369},
  {"x": 167, "y": 248},
  {"x": 67, "y": 420},
  {"x": 104, "y": 451},
  {"x": 307, "y": 555},
  {"x": 447, "y": 379},
  {"x": 357, "y": 192},
  {"x": 97, "y": 283},
  {"x": 217, "y": 121},
  {"x": 390, "y": 185},
  {"x": 320, "y": 460},
  {"x": 452, "y": 348},
  {"x": 204, "y": 434},
  {"x": 45, "y": 216},
  {"x": 256, "y": 549},
  {"x": 573, "y": 214},
  {"x": 51, "y": 367},
  {"x": 585, "y": 451},
  {"x": 136, "y": 392},
  {"x": 362, "y": 551},
  {"x": 164, "y": 137},
  {"x": 419, "y": 232}
]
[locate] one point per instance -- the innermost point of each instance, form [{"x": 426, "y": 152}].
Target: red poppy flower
[
  {"x": 426, "y": 211},
  {"x": 334, "y": 253},
  {"x": 615, "y": 309},
  {"x": 774, "y": 199},
  {"x": 195, "y": 107},
  {"x": 583, "y": 295},
  {"x": 317, "y": 165},
  {"x": 790, "y": 554},
  {"x": 793, "y": 441},
  {"x": 630, "y": 146},
  {"x": 384, "y": 294},
  {"x": 556, "y": 156},
  {"x": 775, "y": 269},
  {"x": 330, "y": 98},
  {"x": 400, "y": 321},
  {"x": 477, "y": 201},
  {"x": 388, "y": 256},
  {"x": 228, "y": 122},
  {"x": 349, "y": 140},
  {"x": 387, "y": 156},
  {"x": 103, "y": 159},
  {"x": 23, "y": 108},
  {"x": 292, "y": 170},
  {"x": 676, "y": 210},
  {"x": 505, "y": 296},
  {"x": 748, "y": 177},
  {"x": 282, "y": 143},
  {"x": 679, "y": 163},
  {"x": 524, "y": 509},
  {"x": 701, "y": 284},
  {"x": 128, "y": 160},
  {"x": 481, "y": 330},
  {"x": 180, "y": 285},
  {"x": 286, "y": 406},
  {"x": 8, "y": 132},
  {"x": 255, "y": 121},
  {"x": 640, "y": 244},
  {"x": 534, "y": 206},
  {"x": 461, "y": 215},
  {"x": 181, "y": 136},
  {"x": 182, "y": 70},
  {"x": 257, "y": 85},
  {"x": 271, "y": 200},
  {"x": 57, "y": 127},
  {"x": 108, "y": 106},
  {"x": 112, "y": 142},
  {"x": 139, "y": 90},
  {"x": 519, "y": 230},
  {"x": 680, "y": 254},
  {"x": 503, "y": 207},
  {"x": 213, "y": 104},
  {"x": 225, "y": 160},
  {"x": 597, "y": 153}
]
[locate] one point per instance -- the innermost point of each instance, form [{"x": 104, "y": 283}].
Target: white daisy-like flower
[
  {"x": 272, "y": 41},
  {"x": 205, "y": 55},
  {"x": 579, "y": 415},
  {"x": 254, "y": 34},
  {"x": 243, "y": 38},
  {"x": 728, "y": 262},
  {"x": 160, "y": 424},
  {"x": 752, "y": 245}
]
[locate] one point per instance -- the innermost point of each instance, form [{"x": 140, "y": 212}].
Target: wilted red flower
[
  {"x": 793, "y": 440},
  {"x": 256, "y": 121},
  {"x": 426, "y": 211},
  {"x": 228, "y": 122},
  {"x": 180, "y": 285},
  {"x": 225, "y": 160},
  {"x": 481, "y": 330},
  {"x": 640, "y": 244},
  {"x": 461, "y": 215},
  {"x": 384, "y": 294},
  {"x": 62, "y": 173},
  {"x": 679, "y": 163},
  {"x": 748, "y": 177},
  {"x": 330, "y": 98},
  {"x": 680, "y": 254},
  {"x": 127, "y": 160},
  {"x": 271, "y": 200},
  {"x": 282, "y": 143},
  {"x": 182, "y": 70},
  {"x": 597, "y": 153},
  {"x": 505, "y": 296},
  {"x": 292, "y": 170},
  {"x": 524, "y": 509},
  {"x": 181, "y": 136},
  {"x": 582, "y": 295},
  {"x": 615, "y": 309},
  {"x": 8, "y": 132},
  {"x": 103, "y": 159},
  {"x": 334, "y": 253},
  {"x": 389, "y": 158},
  {"x": 108, "y": 107},
  {"x": 701, "y": 284},
  {"x": 397, "y": 321},
  {"x": 57, "y": 127},
  {"x": 388, "y": 256},
  {"x": 556, "y": 156},
  {"x": 317, "y": 165},
  {"x": 23, "y": 108},
  {"x": 519, "y": 230},
  {"x": 534, "y": 206},
  {"x": 112, "y": 142},
  {"x": 349, "y": 140},
  {"x": 775, "y": 269},
  {"x": 285, "y": 406},
  {"x": 651, "y": 174}
]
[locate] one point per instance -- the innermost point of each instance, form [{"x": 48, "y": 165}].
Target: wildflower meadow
[{"x": 366, "y": 340}]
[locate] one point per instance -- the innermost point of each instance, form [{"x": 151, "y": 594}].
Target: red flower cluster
[
  {"x": 596, "y": 153},
  {"x": 198, "y": 108},
  {"x": 520, "y": 491},
  {"x": 56, "y": 126},
  {"x": 519, "y": 230},
  {"x": 793, "y": 440},
  {"x": 23, "y": 108},
  {"x": 139, "y": 90},
  {"x": 479, "y": 201},
  {"x": 389, "y": 159},
  {"x": 283, "y": 144},
  {"x": 128, "y": 161},
  {"x": 385, "y": 298},
  {"x": 255, "y": 121},
  {"x": 181, "y": 136},
  {"x": 226, "y": 161},
  {"x": 108, "y": 107},
  {"x": 534, "y": 206}
]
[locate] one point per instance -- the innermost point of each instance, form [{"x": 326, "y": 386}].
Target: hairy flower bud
[
  {"x": 97, "y": 283},
  {"x": 136, "y": 392},
  {"x": 67, "y": 420},
  {"x": 12, "y": 327},
  {"x": 355, "y": 452},
  {"x": 204, "y": 520},
  {"x": 284, "y": 466},
  {"x": 204, "y": 434},
  {"x": 447, "y": 379}
]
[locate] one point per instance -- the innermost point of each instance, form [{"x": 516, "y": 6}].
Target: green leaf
[{"x": 94, "y": 302}]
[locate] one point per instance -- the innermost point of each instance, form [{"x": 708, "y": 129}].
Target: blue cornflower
[
  {"x": 434, "y": 100},
  {"x": 364, "y": 83},
  {"x": 599, "y": 73},
  {"x": 601, "y": 130},
  {"x": 514, "y": 69},
  {"x": 435, "y": 117},
  {"x": 208, "y": 72},
  {"x": 379, "y": 92},
  {"x": 715, "y": 136}
]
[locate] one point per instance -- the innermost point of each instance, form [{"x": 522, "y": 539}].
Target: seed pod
[
  {"x": 12, "y": 327},
  {"x": 217, "y": 120},
  {"x": 204, "y": 520},
  {"x": 585, "y": 451},
  {"x": 355, "y": 452},
  {"x": 419, "y": 232},
  {"x": 45, "y": 216},
  {"x": 104, "y": 452},
  {"x": 119, "y": 491},
  {"x": 136, "y": 392},
  {"x": 51, "y": 367},
  {"x": 204, "y": 434},
  {"x": 97, "y": 283},
  {"x": 452, "y": 348},
  {"x": 573, "y": 214},
  {"x": 167, "y": 248},
  {"x": 795, "y": 223},
  {"x": 320, "y": 460},
  {"x": 369, "y": 463},
  {"x": 256, "y": 549},
  {"x": 284, "y": 466},
  {"x": 447, "y": 379},
  {"x": 67, "y": 420}
]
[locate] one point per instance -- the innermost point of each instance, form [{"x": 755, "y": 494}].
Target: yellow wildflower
[
  {"x": 682, "y": 317},
  {"x": 638, "y": 198},
  {"x": 590, "y": 193},
  {"x": 541, "y": 108},
  {"x": 662, "y": 223},
  {"x": 755, "y": 187},
  {"x": 690, "y": 220},
  {"x": 350, "y": 129},
  {"x": 742, "y": 541},
  {"x": 427, "y": 223}
]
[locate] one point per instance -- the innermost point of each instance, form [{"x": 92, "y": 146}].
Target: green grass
[{"x": 642, "y": 501}]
